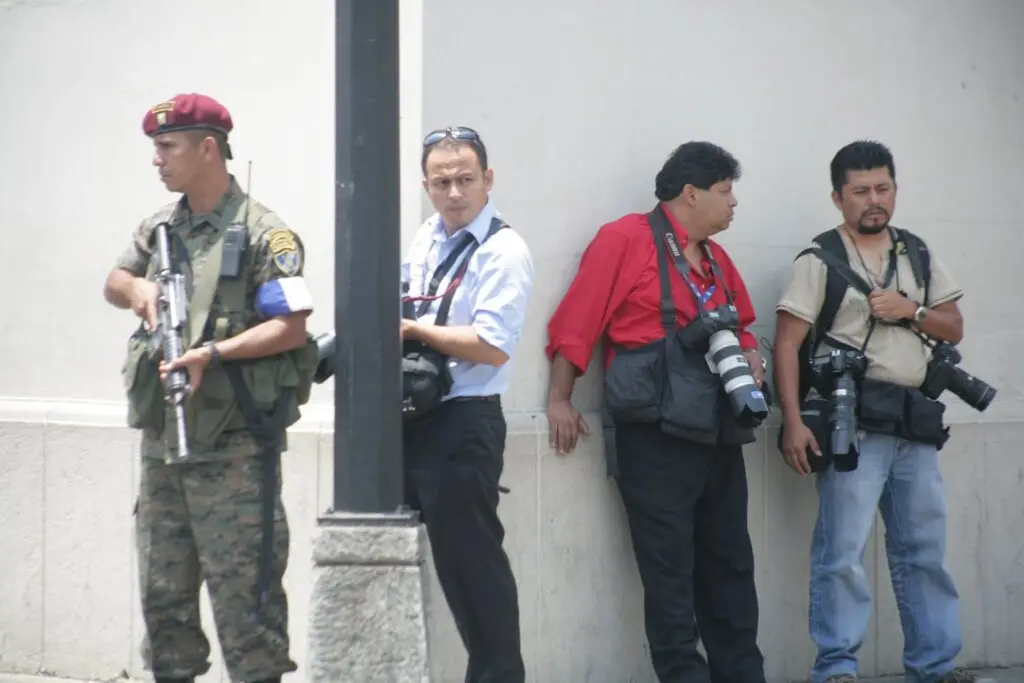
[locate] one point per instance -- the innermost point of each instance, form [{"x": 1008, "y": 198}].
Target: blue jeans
[{"x": 903, "y": 480}]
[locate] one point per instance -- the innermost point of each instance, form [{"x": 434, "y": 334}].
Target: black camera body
[
  {"x": 836, "y": 374},
  {"x": 943, "y": 373},
  {"x": 707, "y": 323}
]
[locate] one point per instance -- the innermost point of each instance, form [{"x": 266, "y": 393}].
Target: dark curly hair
[
  {"x": 862, "y": 155},
  {"x": 701, "y": 164}
]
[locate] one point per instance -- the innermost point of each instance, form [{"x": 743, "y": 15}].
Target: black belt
[{"x": 492, "y": 398}]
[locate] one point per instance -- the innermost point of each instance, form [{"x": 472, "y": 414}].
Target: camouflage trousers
[{"x": 201, "y": 522}]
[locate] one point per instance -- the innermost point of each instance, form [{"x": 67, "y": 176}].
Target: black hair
[
  {"x": 701, "y": 164},
  {"x": 862, "y": 155},
  {"x": 476, "y": 144},
  {"x": 197, "y": 135}
]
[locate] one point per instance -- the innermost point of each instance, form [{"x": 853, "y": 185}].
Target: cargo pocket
[
  {"x": 212, "y": 409},
  {"x": 633, "y": 383},
  {"x": 267, "y": 379}
]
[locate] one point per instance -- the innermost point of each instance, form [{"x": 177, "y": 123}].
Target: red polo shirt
[{"x": 616, "y": 293}]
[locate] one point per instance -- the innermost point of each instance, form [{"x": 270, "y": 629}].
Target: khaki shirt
[{"x": 895, "y": 354}]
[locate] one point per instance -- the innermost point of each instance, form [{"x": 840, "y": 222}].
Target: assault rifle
[{"x": 172, "y": 317}]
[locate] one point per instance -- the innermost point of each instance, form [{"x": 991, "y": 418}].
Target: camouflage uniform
[{"x": 200, "y": 520}]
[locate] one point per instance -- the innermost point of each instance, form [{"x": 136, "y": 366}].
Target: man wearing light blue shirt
[{"x": 469, "y": 277}]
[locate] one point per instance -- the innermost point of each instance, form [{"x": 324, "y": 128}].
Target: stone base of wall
[{"x": 69, "y": 604}]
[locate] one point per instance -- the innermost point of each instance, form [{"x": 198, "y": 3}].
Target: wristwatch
[
  {"x": 214, "y": 353},
  {"x": 919, "y": 314}
]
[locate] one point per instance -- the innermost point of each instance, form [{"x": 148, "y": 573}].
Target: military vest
[{"x": 218, "y": 309}]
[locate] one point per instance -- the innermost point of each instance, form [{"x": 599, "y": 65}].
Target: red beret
[{"x": 186, "y": 112}]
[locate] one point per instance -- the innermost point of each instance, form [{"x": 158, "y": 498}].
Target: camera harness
[
  {"x": 840, "y": 275},
  {"x": 437, "y": 363},
  {"x": 662, "y": 233}
]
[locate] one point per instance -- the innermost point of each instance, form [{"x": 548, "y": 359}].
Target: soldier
[{"x": 215, "y": 515}]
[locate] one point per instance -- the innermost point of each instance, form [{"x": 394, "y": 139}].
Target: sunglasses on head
[{"x": 456, "y": 133}]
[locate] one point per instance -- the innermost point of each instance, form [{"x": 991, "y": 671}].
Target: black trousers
[
  {"x": 453, "y": 460},
  {"x": 687, "y": 509}
]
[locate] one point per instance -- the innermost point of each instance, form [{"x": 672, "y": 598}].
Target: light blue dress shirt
[{"x": 492, "y": 296}]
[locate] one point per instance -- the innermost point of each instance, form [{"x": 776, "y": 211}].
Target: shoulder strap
[
  {"x": 206, "y": 278},
  {"x": 442, "y": 270},
  {"x": 446, "y": 303},
  {"x": 920, "y": 260},
  {"x": 659, "y": 226},
  {"x": 835, "y": 284}
]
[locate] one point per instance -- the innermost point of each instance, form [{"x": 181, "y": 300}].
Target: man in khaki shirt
[{"x": 896, "y": 469}]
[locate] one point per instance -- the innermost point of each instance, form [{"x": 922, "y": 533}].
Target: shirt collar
[
  {"x": 478, "y": 227},
  {"x": 677, "y": 227},
  {"x": 183, "y": 216}
]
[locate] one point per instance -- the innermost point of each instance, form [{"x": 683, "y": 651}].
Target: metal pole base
[{"x": 367, "y": 618}]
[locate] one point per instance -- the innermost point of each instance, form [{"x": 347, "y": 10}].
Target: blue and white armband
[{"x": 283, "y": 296}]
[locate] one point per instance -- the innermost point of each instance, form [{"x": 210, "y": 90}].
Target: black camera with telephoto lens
[
  {"x": 717, "y": 329},
  {"x": 943, "y": 374},
  {"x": 837, "y": 373}
]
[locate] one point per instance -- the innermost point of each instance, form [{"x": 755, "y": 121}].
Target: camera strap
[
  {"x": 430, "y": 295},
  {"x": 665, "y": 239}
]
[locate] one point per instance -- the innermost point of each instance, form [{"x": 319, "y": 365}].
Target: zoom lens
[
  {"x": 726, "y": 356},
  {"x": 971, "y": 390}
]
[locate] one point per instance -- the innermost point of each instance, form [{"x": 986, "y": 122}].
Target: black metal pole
[{"x": 367, "y": 383}]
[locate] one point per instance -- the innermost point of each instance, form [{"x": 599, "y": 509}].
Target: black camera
[
  {"x": 717, "y": 329},
  {"x": 326, "y": 344},
  {"x": 943, "y": 374},
  {"x": 837, "y": 373}
]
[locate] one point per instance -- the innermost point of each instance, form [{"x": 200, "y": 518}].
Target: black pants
[
  {"x": 453, "y": 461},
  {"x": 687, "y": 510}
]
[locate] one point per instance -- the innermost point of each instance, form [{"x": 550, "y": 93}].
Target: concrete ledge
[{"x": 367, "y": 619}]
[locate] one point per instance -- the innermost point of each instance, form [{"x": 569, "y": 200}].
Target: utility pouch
[
  {"x": 880, "y": 406},
  {"x": 144, "y": 390},
  {"x": 633, "y": 383},
  {"x": 923, "y": 420},
  {"x": 691, "y": 402}
]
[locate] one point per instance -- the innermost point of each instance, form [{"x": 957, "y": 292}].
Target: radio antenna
[{"x": 248, "y": 189}]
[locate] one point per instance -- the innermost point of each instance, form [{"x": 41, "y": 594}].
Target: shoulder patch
[{"x": 284, "y": 251}]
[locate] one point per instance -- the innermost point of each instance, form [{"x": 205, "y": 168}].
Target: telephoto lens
[
  {"x": 843, "y": 438},
  {"x": 726, "y": 356},
  {"x": 971, "y": 390}
]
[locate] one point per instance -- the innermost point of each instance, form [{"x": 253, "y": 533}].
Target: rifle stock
[{"x": 172, "y": 316}]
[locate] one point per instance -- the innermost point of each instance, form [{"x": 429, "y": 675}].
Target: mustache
[{"x": 875, "y": 209}]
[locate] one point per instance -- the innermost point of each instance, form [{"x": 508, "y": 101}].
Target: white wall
[{"x": 579, "y": 102}]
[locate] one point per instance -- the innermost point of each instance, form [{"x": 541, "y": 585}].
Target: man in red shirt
[{"x": 684, "y": 490}]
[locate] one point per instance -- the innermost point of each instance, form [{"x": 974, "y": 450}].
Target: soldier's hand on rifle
[
  {"x": 143, "y": 299},
  {"x": 194, "y": 361}
]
